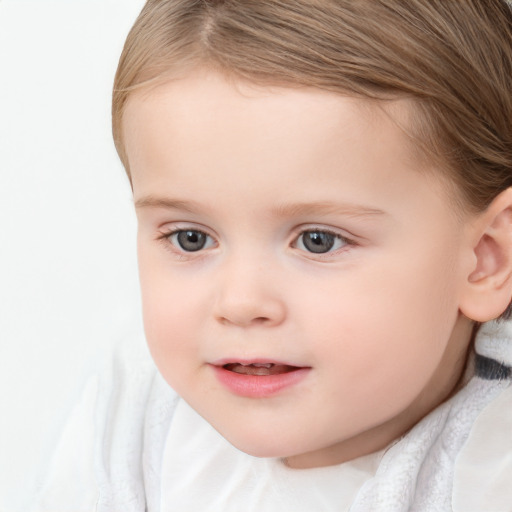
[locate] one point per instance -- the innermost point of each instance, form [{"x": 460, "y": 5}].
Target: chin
[
  {"x": 264, "y": 447},
  {"x": 264, "y": 452}
]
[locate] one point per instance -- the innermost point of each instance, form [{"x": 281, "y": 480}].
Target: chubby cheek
[
  {"x": 171, "y": 315},
  {"x": 383, "y": 334}
]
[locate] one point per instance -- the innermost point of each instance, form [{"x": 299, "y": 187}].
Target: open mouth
[
  {"x": 260, "y": 369},
  {"x": 258, "y": 379}
]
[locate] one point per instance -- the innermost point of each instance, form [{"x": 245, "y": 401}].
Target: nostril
[
  {"x": 254, "y": 321},
  {"x": 248, "y": 310}
]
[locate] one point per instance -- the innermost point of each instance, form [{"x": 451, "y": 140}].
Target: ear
[{"x": 488, "y": 287}]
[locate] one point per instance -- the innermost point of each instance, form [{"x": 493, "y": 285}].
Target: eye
[
  {"x": 190, "y": 240},
  {"x": 318, "y": 242}
]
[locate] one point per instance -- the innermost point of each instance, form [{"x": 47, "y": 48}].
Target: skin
[{"x": 376, "y": 320}]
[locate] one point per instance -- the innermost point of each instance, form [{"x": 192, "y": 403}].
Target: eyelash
[{"x": 166, "y": 239}]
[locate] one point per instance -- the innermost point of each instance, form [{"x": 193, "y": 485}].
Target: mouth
[
  {"x": 258, "y": 378},
  {"x": 260, "y": 369}
]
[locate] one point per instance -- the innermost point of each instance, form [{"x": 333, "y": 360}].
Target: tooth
[{"x": 263, "y": 365}]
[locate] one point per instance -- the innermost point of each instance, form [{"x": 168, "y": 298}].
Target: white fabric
[
  {"x": 109, "y": 456},
  {"x": 495, "y": 341},
  {"x": 116, "y": 438},
  {"x": 202, "y": 472},
  {"x": 416, "y": 474},
  {"x": 483, "y": 473}
]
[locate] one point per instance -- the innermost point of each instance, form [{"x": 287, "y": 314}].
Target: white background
[{"x": 68, "y": 283}]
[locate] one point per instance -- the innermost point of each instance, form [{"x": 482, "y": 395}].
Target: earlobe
[{"x": 488, "y": 290}]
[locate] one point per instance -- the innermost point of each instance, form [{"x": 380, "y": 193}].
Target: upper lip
[{"x": 258, "y": 360}]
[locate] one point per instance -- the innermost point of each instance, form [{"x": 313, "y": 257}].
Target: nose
[{"x": 248, "y": 295}]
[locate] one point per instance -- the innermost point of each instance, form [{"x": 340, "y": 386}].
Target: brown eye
[{"x": 190, "y": 240}]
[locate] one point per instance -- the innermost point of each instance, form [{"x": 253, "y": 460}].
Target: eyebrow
[
  {"x": 281, "y": 210},
  {"x": 326, "y": 208},
  {"x": 167, "y": 203}
]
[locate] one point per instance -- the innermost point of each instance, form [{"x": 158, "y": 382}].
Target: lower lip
[{"x": 258, "y": 386}]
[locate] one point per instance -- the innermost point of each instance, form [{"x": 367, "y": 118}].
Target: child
[{"x": 324, "y": 197}]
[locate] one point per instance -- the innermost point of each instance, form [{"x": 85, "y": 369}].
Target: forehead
[
  {"x": 205, "y": 100},
  {"x": 205, "y": 126}
]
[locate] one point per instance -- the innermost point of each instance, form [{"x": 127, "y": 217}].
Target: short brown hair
[{"x": 452, "y": 58}]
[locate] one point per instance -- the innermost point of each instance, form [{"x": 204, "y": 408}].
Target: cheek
[
  {"x": 169, "y": 329},
  {"x": 386, "y": 326},
  {"x": 170, "y": 313}
]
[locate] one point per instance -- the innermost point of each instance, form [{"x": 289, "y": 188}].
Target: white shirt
[{"x": 202, "y": 472}]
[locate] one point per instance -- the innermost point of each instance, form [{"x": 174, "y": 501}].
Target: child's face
[{"x": 292, "y": 229}]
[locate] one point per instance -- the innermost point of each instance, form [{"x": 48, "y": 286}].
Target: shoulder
[
  {"x": 440, "y": 464},
  {"x": 111, "y": 434},
  {"x": 484, "y": 465},
  {"x": 133, "y": 414}
]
